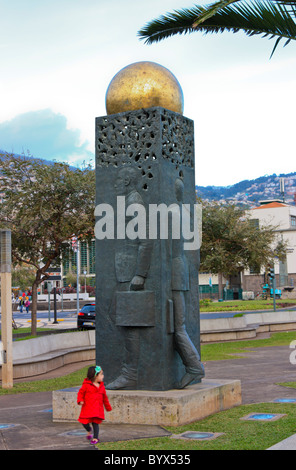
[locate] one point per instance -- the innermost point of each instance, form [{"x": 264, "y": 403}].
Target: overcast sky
[{"x": 59, "y": 56}]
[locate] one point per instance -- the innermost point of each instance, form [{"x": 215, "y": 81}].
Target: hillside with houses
[
  {"x": 249, "y": 192},
  {"x": 246, "y": 193}
]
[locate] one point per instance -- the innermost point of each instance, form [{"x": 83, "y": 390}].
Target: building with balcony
[{"x": 282, "y": 217}]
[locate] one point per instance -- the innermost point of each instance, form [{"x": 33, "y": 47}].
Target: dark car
[{"x": 86, "y": 317}]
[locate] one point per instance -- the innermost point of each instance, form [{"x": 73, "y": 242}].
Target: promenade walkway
[
  {"x": 29, "y": 417},
  {"x": 30, "y": 414}
]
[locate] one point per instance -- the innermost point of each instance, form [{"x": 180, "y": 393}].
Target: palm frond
[
  {"x": 212, "y": 10},
  {"x": 270, "y": 19},
  {"x": 177, "y": 22},
  {"x": 286, "y": 2}
]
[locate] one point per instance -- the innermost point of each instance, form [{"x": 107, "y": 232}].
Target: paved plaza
[{"x": 30, "y": 414}]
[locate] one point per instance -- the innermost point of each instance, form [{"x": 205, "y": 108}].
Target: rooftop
[{"x": 271, "y": 205}]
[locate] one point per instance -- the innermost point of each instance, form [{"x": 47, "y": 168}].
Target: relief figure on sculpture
[
  {"x": 180, "y": 284},
  {"x": 132, "y": 263}
]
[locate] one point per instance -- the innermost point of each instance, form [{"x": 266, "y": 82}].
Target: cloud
[{"x": 44, "y": 134}]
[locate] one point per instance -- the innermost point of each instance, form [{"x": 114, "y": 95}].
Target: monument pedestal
[{"x": 163, "y": 408}]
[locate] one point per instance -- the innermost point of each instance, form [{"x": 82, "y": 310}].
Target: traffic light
[
  {"x": 271, "y": 273},
  {"x": 271, "y": 277}
]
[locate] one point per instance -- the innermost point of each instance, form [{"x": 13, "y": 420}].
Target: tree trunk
[
  {"x": 34, "y": 308},
  {"x": 220, "y": 285}
]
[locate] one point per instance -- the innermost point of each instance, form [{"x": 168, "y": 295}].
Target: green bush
[{"x": 205, "y": 302}]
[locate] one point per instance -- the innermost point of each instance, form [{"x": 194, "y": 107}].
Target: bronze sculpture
[{"x": 147, "y": 285}]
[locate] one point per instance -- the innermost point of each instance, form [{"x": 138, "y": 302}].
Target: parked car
[{"x": 86, "y": 317}]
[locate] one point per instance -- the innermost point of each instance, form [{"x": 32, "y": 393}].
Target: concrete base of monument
[{"x": 165, "y": 408}]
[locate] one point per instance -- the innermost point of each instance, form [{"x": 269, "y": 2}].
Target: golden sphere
[{"x": 144, "y": 85}]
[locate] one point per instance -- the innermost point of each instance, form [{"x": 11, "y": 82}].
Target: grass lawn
[
  {"x": 22, "y": 333},
  {"x": 26, "y": 333},
  {"x": 238, "y": 434},
  {"x": 244, "y": 305},
  {"x": 229, "y": 349},
  {"x": 71, "y": 380}
]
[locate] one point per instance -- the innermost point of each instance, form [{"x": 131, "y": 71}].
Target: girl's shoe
[
  {"x": 89, "y": 437},
  {"x": 94, "y": 441}
]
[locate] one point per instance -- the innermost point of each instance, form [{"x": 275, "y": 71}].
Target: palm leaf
[
  {"x": 177, "y": 22},
  {"x": 266, "y": 18},
  {"x": 287, "y": 2},
  {"x": 212, "y": 10}
]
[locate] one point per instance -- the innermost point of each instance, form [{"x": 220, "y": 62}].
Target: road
[
  {"x": 42, "y": 315},
  {"x": 68, "y": 318}
]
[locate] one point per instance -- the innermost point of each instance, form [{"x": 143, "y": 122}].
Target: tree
[
  {"x": 231, "y": 242},
  {"x": 22, "y": 277},
  {"x": 44, "y": 205},
  {"x": 268, "y": 18}
]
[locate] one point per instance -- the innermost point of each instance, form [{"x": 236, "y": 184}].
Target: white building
[{"x": 282, "y": 217}]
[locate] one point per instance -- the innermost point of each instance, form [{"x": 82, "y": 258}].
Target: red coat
[{"x": 95, "y": 399}]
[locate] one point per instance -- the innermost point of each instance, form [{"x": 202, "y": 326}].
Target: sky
[{"x": 57, "y": 58}]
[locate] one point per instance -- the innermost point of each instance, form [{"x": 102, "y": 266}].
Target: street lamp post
[
  {"x": 85, "y": 273},
  {"x": 78, "y": 273},
  {"x": 6, "y": 308}
]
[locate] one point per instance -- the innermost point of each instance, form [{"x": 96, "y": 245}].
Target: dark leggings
[{"x": 95, "y": 429}]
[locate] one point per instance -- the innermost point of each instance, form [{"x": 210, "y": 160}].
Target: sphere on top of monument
[{"x": 144, "y": 85}]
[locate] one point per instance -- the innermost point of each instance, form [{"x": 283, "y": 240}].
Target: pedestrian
[
  {"x": 27, "y": 304},
  {"x": 22, "y": 303},
  {"x": 93, "y": 398}
]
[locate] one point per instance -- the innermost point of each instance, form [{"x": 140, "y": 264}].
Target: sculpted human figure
[
  {"x": 132, "y": 262},
  {"x": 180, "y": 284}
]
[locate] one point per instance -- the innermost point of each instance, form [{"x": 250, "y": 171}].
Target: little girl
[{"x": 92, "y": 397}]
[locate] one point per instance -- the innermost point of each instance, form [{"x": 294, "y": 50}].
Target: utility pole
[
  {"x": 78, "y": 274},
  {"x": 75, "y": 247},
  {"x": 6, "y": 308}
]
